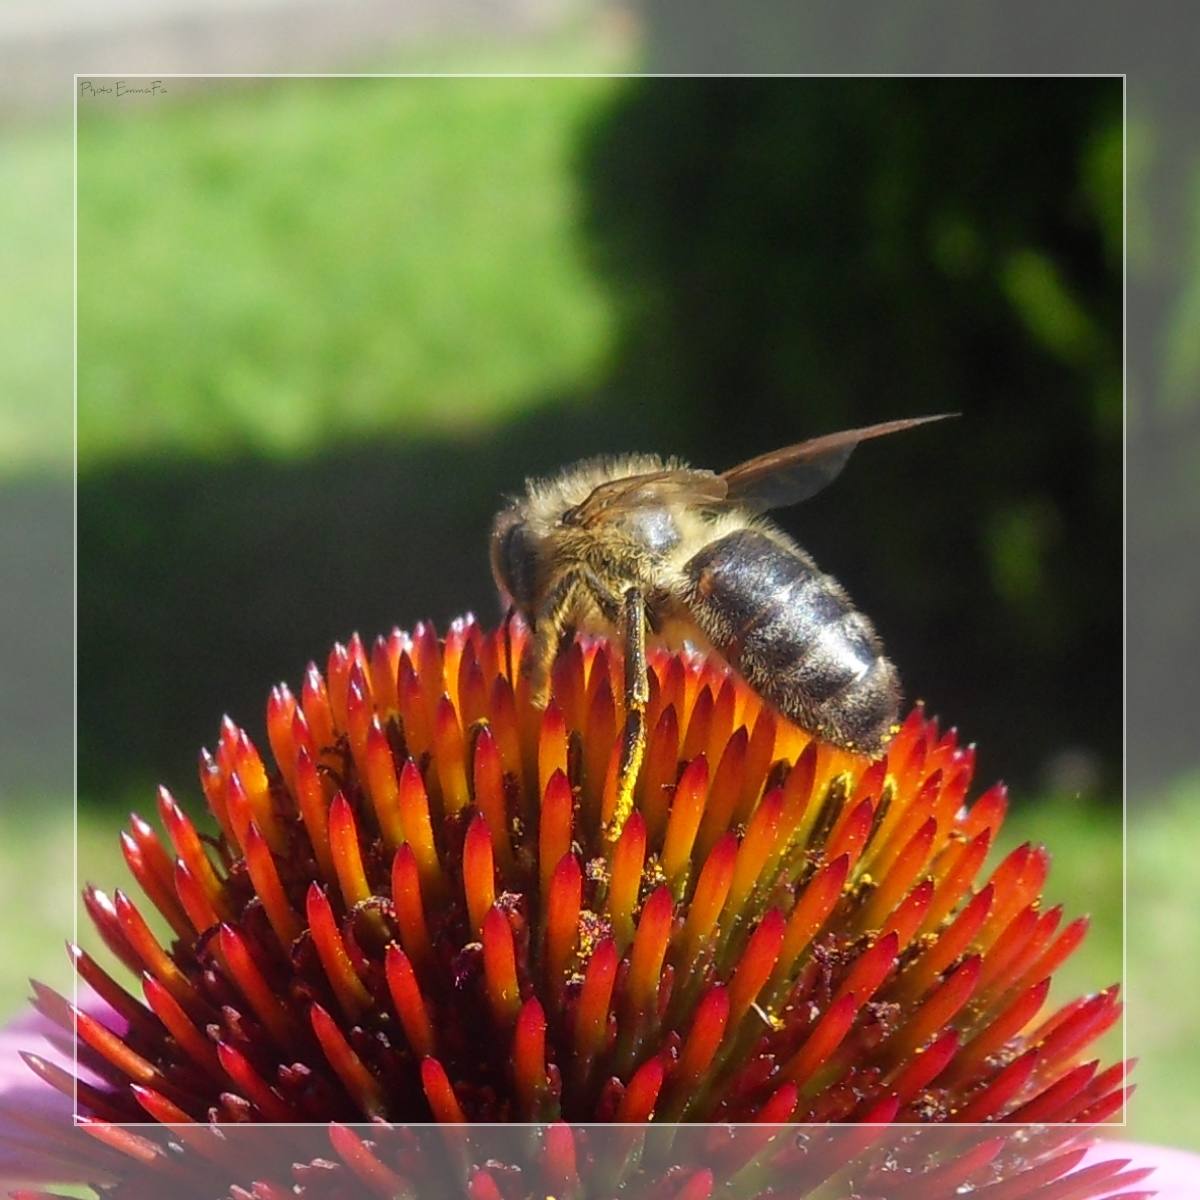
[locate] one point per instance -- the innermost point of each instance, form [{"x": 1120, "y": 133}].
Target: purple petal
[
  {"x": 26, "y": 1102},
  {"x": 1176, "y": 1172}
]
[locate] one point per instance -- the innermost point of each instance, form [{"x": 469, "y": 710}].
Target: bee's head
[{"x": 515, "y": 558}]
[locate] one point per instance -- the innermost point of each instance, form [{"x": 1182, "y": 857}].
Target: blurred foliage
[
  {"x": 1163, "y": 448},
  {"x": 784, "y": 257}
]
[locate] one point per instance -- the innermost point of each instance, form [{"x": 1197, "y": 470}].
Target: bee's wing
[
  {"x": 794, "y": 473},
  {"x": 670, "y": 486}
]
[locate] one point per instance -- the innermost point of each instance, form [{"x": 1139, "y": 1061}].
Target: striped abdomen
[{"x": 792, "y": 634}]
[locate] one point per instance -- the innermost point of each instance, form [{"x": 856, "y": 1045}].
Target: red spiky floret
[{"x": 418, "y": 915}]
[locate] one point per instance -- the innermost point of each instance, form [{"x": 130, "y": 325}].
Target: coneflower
[{"x": 416, "y": 918}]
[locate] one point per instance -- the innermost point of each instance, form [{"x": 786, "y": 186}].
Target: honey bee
[{"x": 636, "y": 545}]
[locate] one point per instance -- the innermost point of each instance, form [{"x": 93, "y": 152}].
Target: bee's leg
[
  {"x": 575, "y": 590},
  {"x": 637, "y": 696}
]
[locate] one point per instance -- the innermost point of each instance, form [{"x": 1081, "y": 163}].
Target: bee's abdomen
[{"x": 793, "y": 635}]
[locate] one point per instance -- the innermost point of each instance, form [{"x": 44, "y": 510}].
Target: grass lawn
[
  {"x": 283, "y": 263},
  {"x": 269, "y": 264}
]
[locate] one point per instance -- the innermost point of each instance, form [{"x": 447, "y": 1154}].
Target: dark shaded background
[{"x": 788, "y": 257}]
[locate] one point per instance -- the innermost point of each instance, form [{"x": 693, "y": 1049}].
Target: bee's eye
[
  {"x": 568, "y": 517},
  {"x": 515, "y": 561}
]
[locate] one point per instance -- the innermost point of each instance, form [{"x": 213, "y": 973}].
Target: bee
[{"x": 637, "y": 546}]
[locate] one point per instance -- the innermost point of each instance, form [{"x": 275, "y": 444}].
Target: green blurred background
[{"x": 324, "y": 325}]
